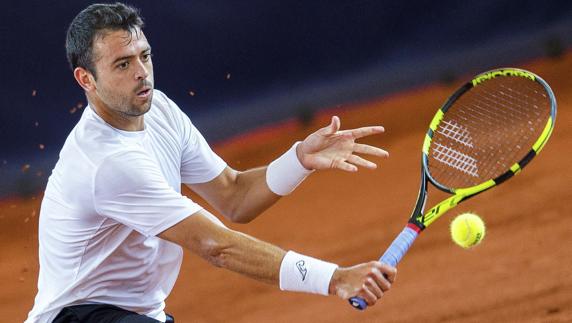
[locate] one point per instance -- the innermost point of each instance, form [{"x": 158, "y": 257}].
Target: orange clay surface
[{"x": 522, "y": 272}]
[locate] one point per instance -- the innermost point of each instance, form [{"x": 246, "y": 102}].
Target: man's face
[{"x": 124, "y": 69}]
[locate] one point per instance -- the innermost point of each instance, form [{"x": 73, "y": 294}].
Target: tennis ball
[{"x": 467, "y": 230}]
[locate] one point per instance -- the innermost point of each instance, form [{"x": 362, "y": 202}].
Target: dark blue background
[{"x": 281, "y": 56}]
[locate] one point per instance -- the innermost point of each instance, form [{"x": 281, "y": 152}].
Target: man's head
[{"x": 111, "y": 59}]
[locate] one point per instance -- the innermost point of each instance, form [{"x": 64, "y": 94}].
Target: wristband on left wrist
[{"x": 286, "y": 172}]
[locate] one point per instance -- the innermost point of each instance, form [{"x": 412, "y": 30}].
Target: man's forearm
[
  {"x": 265, "y": 262},
  {"x": 227, "y": 248},
  {"x": 262, "y": 187},
  {"x": 246, "y": 255},
  {"x": 239, "y": 196},
  {"x": 252, "y": 196},
  {"x": 242, "y": 196}
]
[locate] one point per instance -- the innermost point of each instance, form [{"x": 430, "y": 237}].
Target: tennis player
[{"x": 113, "y": 221}]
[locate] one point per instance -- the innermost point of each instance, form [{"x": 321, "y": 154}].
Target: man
[{"x": 113, "y": 221}]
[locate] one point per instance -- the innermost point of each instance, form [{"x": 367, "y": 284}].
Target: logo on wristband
[{"x": 301, "y": 265}]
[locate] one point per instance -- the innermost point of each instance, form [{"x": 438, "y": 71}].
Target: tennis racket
[{"x": 484, "y": 134}]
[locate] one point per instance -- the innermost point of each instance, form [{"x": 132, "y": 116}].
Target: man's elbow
[
  {"x": 240, "y": 217},
  {"x": 237, "y": 213},
  {"x": 215, "y": 253}
]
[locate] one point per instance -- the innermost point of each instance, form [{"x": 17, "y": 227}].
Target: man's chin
[{"x": 142, "y": 108}]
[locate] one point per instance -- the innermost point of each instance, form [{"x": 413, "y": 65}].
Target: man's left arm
[
  {"x": 242, "y": 195},
  {"x": 239, "y": 196}
]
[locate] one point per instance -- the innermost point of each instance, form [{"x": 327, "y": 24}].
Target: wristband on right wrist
[{"x": 301, "y": 273}]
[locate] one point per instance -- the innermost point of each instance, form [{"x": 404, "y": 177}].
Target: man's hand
[
  {"x": 330, "y": 148},
  {"x": 368, "y": 281}
]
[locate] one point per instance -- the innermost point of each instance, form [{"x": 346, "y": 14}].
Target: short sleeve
[
  {"x": 199, "y": 163},
  {"x": 130, "y": 188}
]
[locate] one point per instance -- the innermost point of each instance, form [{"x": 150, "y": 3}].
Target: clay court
[{"x": 522, "y": 272}]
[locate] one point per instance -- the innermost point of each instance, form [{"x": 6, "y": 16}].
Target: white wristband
[
  {"x": 299, "y": 273},
  {"x": 286, "y": 172}
]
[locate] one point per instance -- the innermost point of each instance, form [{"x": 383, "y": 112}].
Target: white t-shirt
[{"x": 109, "y": 195}]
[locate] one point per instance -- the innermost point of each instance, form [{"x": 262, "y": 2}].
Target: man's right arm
[{"x": 262, "y": 261}]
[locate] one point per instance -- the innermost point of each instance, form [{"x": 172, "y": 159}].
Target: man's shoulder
[
  {"x": 167, "y": 114},
  {"x": 92, "y": 140},
  {"x": 166, "y": 106},
  {"x": 162, "y": 101}
]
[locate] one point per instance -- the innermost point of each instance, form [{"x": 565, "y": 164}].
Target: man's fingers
[
  {"x": 332, "y": 128},
  {"x": 366, "y": 131},
  {"x": 358, "y": 161},
  {"x": 336, "y": 124},
  {"x": 374, "y": 288},
  {"x": 366, "y": 281},
  {"x": 380, "y": 278},
  {"x": 370, "y": 150},
  {"x": 388, "y": 272},
  {"x": 369, "y": 297},
  {"x": 343, "y": 165}
]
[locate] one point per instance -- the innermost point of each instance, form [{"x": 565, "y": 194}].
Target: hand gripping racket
[{"x": 484, "y": 134}]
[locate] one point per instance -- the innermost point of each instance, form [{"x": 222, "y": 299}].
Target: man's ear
[{"x": 84, "y": 78}]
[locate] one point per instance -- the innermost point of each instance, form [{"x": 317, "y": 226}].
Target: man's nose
[{"x": 142, "y": 70}]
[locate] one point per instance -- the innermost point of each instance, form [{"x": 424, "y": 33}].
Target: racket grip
[
  {"x": 399, "y": 246},
  {"x": 392, "y": 256}
]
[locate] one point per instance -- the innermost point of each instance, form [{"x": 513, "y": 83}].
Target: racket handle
[
  {"x": 391, "y": 257},
  {"x": 399, "y": 246}
]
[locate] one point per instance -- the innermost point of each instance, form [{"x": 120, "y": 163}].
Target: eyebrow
[{"x": 148, "y": 49}]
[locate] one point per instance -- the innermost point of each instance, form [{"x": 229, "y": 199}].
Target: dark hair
[{"x": 92, "y": 22}]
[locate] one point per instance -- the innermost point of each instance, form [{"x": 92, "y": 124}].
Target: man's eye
[
  {"x": 147, "y": 57},
  {"x": 123, "y": 65}
]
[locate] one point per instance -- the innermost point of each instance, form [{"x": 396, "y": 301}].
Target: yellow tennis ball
[{"x": 467, "y": 230}]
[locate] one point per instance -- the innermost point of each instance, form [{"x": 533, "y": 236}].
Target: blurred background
[{"x": 237, "y": 66}]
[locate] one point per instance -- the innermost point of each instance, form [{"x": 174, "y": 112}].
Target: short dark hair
[{"x": 90, "y": 23}]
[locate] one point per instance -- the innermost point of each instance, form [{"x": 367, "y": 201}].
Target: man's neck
[{"x": 116, "y": 119}]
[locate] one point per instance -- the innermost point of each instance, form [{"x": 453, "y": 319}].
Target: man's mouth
[{"x": 144, "y": 92}]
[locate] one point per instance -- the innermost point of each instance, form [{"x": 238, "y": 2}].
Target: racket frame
[
  {"x": 423, "y": 220},
  {"x": 420, "y": 220}
]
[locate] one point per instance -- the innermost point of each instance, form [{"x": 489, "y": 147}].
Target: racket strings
[
  {"x": 514, "y": 135},
  {"x": 456, "y": 159},
  {"x": 487, "y": 130}
]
